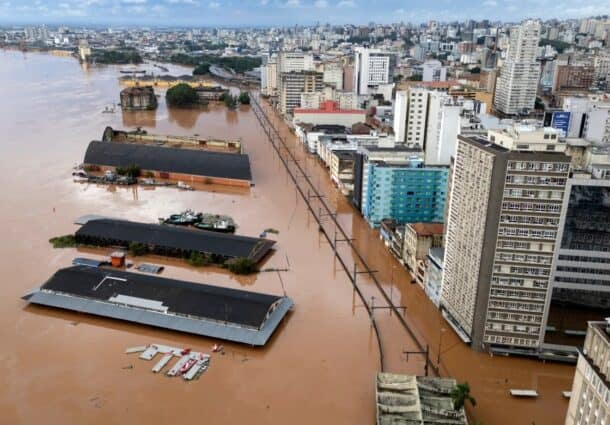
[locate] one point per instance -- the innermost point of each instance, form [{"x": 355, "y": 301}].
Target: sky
[{"x": 205, "y": 13}]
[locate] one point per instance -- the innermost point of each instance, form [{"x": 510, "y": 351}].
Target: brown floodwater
[{"x": 59, "y": 367}]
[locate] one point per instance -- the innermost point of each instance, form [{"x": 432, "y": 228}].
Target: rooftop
[
  {"x": 176, "y": 238},
  {"x": 411, "y": 400},
  {"x": 328, "y": 107},
  {"x": 170, "y": 160},
  {"x": 427, "y": 229},
  {"x": 201, "y": 309}
]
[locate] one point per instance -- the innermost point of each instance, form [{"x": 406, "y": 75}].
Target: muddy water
[{"x": 61, "y": 367}]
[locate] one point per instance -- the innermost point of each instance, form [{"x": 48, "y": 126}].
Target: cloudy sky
[{"x": 287, "y": 12}]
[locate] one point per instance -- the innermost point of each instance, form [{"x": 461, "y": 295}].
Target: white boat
[{"x": 184, "y": 186}]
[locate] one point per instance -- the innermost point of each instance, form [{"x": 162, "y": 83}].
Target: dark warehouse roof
[
  {"x": 174, "y": 237},
  {"x": 170, "y": 160},
  {"x": 231, "y": 314}
]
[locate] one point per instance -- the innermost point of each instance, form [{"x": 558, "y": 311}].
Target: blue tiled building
[{"x": 407, "y": 192}]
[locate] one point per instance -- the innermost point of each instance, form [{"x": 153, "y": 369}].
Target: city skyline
[{"x": 227, "y": 13}]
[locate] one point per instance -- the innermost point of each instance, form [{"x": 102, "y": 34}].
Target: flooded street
[{"x": 60, "y": 367}]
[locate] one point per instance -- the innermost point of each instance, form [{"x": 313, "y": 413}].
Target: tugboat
[
  {"x": 216, "y": 223},
  {"x": 185, "y": 218}
]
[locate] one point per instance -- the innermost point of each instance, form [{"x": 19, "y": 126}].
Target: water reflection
[
  {"x": 139, "y": 118},
  {"x": 185, "y": 118}
]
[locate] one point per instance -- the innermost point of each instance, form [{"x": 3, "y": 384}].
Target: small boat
[
  {"x": 80, "y": 175},
  {"x": 216, "y": 348},
  {"x": 185, "y": 218},
  {"x": 216, "y": 223},
  {"x": 184, "y": 186},
  {"x": 186, "y": 366}
]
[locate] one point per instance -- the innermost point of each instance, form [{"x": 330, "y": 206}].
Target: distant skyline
[{"x": 202, "y": 13}]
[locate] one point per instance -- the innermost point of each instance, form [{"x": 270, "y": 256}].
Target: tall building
[
  {"x": 504, "y": 211},
  {"x": 291, "y": 62},
  {"x": 518, "y": 80},
  {"x": 371, "y": 69},
  {"x": 590, "y": 398},
  {"x": 293, "y": 84},
  {"x": 406, "y": 193},
  {"x": 581, "y": 266},
  {"x": 427, "y": 120}
]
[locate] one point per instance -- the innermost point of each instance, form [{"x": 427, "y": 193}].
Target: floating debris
[{"x": 190, "y": 364}]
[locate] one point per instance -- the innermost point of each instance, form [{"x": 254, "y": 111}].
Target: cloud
[
  {"x": 133, "y": 1},
  {"x": 214, "y": 5},
  {"x": 490, "y": 3},
  {"x": 346, "y": 3},
  {"x": 321, "y": 4}
]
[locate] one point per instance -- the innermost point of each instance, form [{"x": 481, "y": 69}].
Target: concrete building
[
  {"x": 590, "y": 396},
  {"x": 433, "y": 279},
  {"x": 518, "y": 80},
  {"x": 416, "y": 117},
  {"x": 416, "y": 400},
  {"x": 269, "y": 77},
  {"x": 581, "y": 265},
  {"x": 329, "y": 113},
  {"x": 573, "y": 78},
  {"x": 406, "y": 193},
  {"x": 433, "y": 70},
  {"x": 504, "y": 212},
  {"x": 371, "y": 69},
  {"x": 443, "y": 127},
  {"x": 376, "y": 152},
  {"x": 294, "y": 84},
  {"x": 333, "y": 75},
  {"x": 589, "y": 118},
  {"x": 417, "y": 241},
  {"x": 138, "y": 98}
]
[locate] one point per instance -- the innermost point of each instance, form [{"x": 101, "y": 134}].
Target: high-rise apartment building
[
  {"x": 296, "y": 83},
  {"x": 504, "y": 211},
  {"x": 518, "y": 80},
  {"x": 371, "y": 69},
  {"x": 433, "y": 70},
  {"x": 590, "y": 397},
  {"x": 427, "y": 120}
]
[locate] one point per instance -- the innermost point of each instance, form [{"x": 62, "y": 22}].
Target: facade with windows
[
  {"x": 590, "y": 397},
  {"x": 581, "y": 271},
  {"x": 518, "y": 81},
  {"x": 406, "y": 193},
  {"x": 502, "y": 226}
]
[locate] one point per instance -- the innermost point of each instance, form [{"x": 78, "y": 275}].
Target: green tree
[
  {"x": 241, "y": 265},
  {"x": 182, "y": 96},
  {"x": 230, "y": 101},
  {"x": 137, "y": 248},
  {"x": 460, "y": 395},
  {"x": 202, "y": 69},
  {"x": 244, "y": 98}
]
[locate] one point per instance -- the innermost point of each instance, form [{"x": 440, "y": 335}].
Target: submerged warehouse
[
  {"x": 206, "y": 310},
  {"x": 172, "y": 163},
  {"x": 173, "y": 241}
]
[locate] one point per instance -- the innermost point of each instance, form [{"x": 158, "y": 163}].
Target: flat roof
[
  {"x": 175, "y": 237},
  {"x": 201, "y": 309},
  {"x": 171, "y": 160}
]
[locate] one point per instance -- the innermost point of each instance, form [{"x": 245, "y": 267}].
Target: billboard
[{"x": 561, "y": 121}]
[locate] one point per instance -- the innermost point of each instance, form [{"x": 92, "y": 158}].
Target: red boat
[{"x": 186, "y": 366}]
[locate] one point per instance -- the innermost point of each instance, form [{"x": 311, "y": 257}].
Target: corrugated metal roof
[
  {"x": 170, "y": 160},
  {"x": 224, "y": 244},
  {"x": 201, "y": 309}
]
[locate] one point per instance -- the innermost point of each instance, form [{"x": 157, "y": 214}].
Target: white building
[
  {"x": 518, "y": 81},
  {"x": 443, "y": 127},
  {"x": 329, "y": 113},
  {"x": 401, "y": 106},
  {"x": 590, "y": 397},
  {"x": 371, "y": 69},
  {"x": 433, "y": 70},
  {"x": 333, "y": 75}
]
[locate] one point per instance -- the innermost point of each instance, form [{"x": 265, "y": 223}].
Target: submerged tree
[
  {"x": 182, "y": 96},
  {"x": 460, "y": 394}
]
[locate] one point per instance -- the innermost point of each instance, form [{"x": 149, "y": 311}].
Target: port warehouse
[
  {"x": 172, "y": 163},
  {"x": 200, "y": 309},
  {"x": 172, "y": 241}
]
